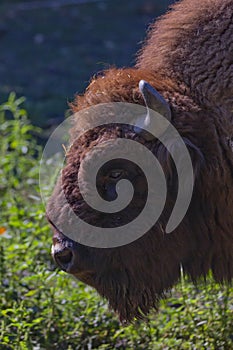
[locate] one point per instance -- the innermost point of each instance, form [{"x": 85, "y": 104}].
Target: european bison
[{"x": 187, "y": 59}]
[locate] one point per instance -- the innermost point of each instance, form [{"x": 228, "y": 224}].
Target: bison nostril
[{"x": 63, "y": 257}]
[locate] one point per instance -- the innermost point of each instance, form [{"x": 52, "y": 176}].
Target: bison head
[{"x": 133, "y": 277}]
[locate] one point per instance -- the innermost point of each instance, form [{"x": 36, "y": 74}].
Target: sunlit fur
[{"x": 188, "y": 59}]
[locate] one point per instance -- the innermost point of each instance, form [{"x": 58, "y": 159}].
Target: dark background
[{"x": 50, "y": 49}]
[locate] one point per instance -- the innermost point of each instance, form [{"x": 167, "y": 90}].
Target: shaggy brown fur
[
  {"x": 188, "y": 59},
  {"x": 192, "y": 44}
]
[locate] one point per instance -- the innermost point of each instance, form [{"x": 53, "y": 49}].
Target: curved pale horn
[{"x": 153, "y": 101}]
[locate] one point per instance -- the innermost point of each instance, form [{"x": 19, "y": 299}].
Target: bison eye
[{"x": 116, "y": 174}]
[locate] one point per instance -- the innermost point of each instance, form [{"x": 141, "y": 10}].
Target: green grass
[
  {"x": 49, "y": 54},
  {"x": 43, "y": 308}
]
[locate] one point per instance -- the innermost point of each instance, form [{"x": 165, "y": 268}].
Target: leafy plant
[{"x": 42, "y": 308}]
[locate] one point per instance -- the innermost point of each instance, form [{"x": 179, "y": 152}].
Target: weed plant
[{"x": 43, "y": 308}]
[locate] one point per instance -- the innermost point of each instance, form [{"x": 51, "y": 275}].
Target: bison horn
[{"x": 153, "y": 101}]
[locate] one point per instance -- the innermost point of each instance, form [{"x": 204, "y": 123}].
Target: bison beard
[{"x": 188, "y": 60}]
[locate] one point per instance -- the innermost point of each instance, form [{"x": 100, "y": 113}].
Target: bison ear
[
  {"x": 174, "y": 146},
  {"x": 153, "y": 101}
]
